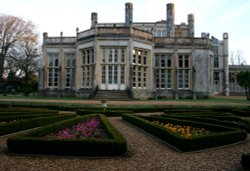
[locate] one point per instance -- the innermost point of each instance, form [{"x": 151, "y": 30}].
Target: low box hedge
[
  {"x": 244, "y": 112},
  {"x": 245, "y": 161},
  {"x": 22, "y": 117},
  {"x": 34, "y": 142},
  {"x": 108, "y": 113},
  {"x": 24, "y": 112},
  {"x": 222, "y": 135},
  {"x": 240, "y": 124},
  {"x": 21, "y": 125}
]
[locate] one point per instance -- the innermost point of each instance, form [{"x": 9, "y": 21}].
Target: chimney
[
  {"x": 94, "y": 19},
  {"x": 191, "y": 25},
  {"x": 128, "y": 14},
  {"x": 170, "y": 20}
]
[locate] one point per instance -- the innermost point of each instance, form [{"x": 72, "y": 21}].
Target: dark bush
[{"x": 245, "y": 161}]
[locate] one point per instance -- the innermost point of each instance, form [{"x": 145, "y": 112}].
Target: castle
[{"x": 148, "y": 60}]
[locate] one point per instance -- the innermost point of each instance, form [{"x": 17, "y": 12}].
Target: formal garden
[{"x": 88, "y": 132}]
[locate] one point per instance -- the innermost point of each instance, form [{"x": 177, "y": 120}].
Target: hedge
[
  {"x": 240, "y": 124},
  {"x": 108, "y": 112},
  {"x": 22, "y": 112},
  {"x": 222, "y": 135},
  {"x": 245, "y": 112},
  {"x": 21, "y": 117},
  {"x": 35, "y": 143},
  {"x": 245, "y": 161},
  {"x": 31, "y": 123}
]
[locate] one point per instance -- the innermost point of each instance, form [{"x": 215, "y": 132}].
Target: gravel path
[{"x": 145, "y": 153}]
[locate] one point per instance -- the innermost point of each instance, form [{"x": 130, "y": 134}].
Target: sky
[{"x": 211, "y": 16}]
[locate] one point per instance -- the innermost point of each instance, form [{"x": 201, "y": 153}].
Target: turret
[
  {"x": 128, "y": 14},
  {"x": 170, "y": 20}
]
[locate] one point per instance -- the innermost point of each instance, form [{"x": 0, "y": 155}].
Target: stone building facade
[{"x": 158, "y": 59}]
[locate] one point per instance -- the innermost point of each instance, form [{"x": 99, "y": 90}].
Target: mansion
[{"x": 146, "y": 59}]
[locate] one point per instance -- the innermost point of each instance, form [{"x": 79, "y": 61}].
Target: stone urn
[{"x": 104, "y": 104}]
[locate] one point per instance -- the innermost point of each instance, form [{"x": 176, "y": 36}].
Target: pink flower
[{"x": 88, "y": 129}]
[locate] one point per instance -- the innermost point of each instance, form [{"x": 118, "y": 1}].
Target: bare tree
[
  {"x": 28, "y": 60},
  {"x": 13, "y": 31},
  {"x": 237, "y": 57}
]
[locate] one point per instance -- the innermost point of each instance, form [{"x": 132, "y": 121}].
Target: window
[
  {"x": 56, "y": 77},
  {"x": 83, "y": 58},
  {"x": 110, "y": 74},
  {"x": 53, "y": 71},
  {"x": 92, "y": 56},
  {"x": 122, "y": 55},
  {"x": 216, "y": 76},
  {"x": 163, "y": 71},
  {"x": 68, "y": 63},
  {"x": 122, "y": 74},
  {"x": 116, "y": 56},
  {"x": 110, "y": 55},
  {"x": 67, "y": 77},
  {"x": 103, "y": 55},
  {"x": 88, "y": 56},
  {"x": 145, "y": 78},
  {"x": 50, "y": 77},
  {"x": 184, "y": 72},
  {"x": 145, "y": 58},
  {"x": 56, "y": 63},
  {"x": 88, "y": 61},
  {"x": 139, "y": 62},
  {"x": 216, "y": 61},
  {"x": 103, "y": 74},
  {"x": 70, "y": 70}
]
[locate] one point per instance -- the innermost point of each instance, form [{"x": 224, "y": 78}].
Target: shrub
[
  {"x": 108, "y": 112},
  {"x": 34, "y": 141},
  {"x": 8, "y": 118},
  {"x": 31, "y": 123},
  {"x": 222, "y": 135},
  {"x": 245, "y": 161}
]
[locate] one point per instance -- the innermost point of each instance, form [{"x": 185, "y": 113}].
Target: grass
[
  {"x": 38, "y": 97},
  {"x": 223, "y": 100}
]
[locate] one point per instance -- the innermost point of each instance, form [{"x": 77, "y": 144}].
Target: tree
[
  {"x": 237, "y": 57},
  {"x": 13, "y": 32},
  {"x": 243, "y": 79},
  {"x": 27, "y": 56}
]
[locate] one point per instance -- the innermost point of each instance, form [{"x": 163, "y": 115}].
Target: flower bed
[
  {"x": 234, "y": 122},
  {"x": 45, "y": 140},
  {"x": 217, "y": 135},
  {"x": 90, "y": 128},
  {"x": 183, "y": 130}
]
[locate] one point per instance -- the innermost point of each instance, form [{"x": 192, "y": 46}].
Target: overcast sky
[{"x": 211, "y": 16}]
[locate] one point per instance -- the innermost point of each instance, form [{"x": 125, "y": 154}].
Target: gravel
[{"x": 145, "y": 152}]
